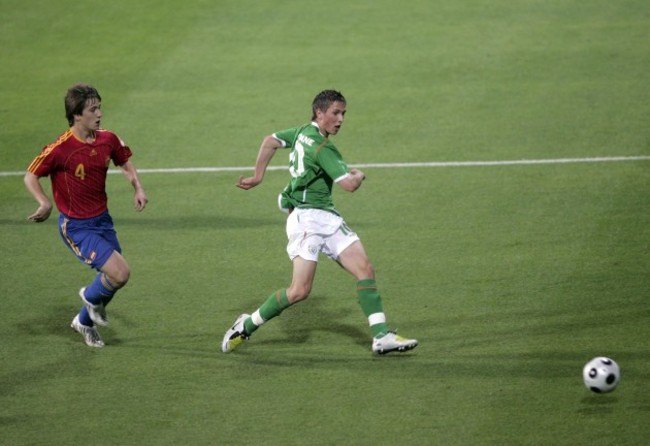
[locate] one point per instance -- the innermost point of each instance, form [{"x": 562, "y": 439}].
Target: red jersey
[{"x": 78, "y": 171}]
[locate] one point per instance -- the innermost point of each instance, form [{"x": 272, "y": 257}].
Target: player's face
[
  {"x": 331, "y": 120},
  {"x": 91, "y": 116}
]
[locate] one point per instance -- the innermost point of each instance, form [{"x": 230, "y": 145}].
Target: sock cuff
[
  {"x": 366, "y": 283},
  {"x": 107, "y": 283},
  {"x": 281, "y": 296},
  {"x": 256, "y": 318},
  {"x": 376, "y": 318}
]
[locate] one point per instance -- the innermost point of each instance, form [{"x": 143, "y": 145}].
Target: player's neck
[
  {"x": 320, "y": 130},
  {"x": 83, "y": 134}
]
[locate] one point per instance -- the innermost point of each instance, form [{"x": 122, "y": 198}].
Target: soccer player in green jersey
[{"x": 314, "y": 225}]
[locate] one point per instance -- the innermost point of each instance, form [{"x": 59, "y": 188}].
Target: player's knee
[
  {"x": 365, "y": 271},
  {"x": 120, "y": 277},
  {"x": 296, "y": 293},
  {"x": 117, "y": 270}
]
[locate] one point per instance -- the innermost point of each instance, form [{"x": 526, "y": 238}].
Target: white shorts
[{"x": 312, "y": 231}]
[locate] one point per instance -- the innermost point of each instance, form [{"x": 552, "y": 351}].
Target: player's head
[
  {"x": 323, "y": 100},
  {"x": 76, "y": 99}
]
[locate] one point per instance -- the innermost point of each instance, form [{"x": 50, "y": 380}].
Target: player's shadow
[
  {"x": 55, "y": 323},
  {"x": 301, "y": 322}
]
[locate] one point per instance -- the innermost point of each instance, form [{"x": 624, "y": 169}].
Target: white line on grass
[{"x": 604, "y": 159}]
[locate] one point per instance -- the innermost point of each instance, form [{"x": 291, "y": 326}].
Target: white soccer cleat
[
  {"x": 97, "y": 312},
  {"x": 235, "y": 335},
  {"x": 391, "y": 342},
  {"x": 90, "y": 334}
]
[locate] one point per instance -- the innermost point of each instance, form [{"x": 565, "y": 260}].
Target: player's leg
[
  {"x": 304, "y": 272},
  {"x": 303, "y": 248},
  {"x": 113, "y": 275},
  {"x": 301, "y": 283},
  {"x": 114, "y": 271},
  {"x": 83, "y": 241},
  {"x": 355, "y": 260},
  {"x": 95, "y": 243}
]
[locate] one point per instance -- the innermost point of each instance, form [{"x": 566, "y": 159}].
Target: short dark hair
[
  {"x": 75, "y": 100},
  {"x": 324, "y": 99}
]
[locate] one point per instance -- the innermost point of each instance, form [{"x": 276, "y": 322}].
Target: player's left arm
[
  {"x": 331, "y": 161},
  {"x": 140, "y": 197},
  {"x": 352, "y": 181}
]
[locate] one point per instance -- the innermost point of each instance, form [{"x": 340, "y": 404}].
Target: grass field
[{"x": 512, "y": 276}]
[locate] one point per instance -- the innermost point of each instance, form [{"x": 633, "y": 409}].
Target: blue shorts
[{"x": 92, "y": 240}]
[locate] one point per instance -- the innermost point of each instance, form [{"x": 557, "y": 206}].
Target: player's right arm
[
  {"x": 34, "y": 187},
  {"x": 267, "y": 149}
]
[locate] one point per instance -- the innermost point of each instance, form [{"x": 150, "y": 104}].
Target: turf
[{"x": 511, "y": 276}]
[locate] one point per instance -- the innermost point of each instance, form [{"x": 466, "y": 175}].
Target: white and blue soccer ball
[{"x": 601, "y": 374}]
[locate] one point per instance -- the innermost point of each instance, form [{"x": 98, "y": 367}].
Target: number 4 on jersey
[{"x": 80, "y": 172}]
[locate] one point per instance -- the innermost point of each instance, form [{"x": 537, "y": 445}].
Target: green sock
[
  {"x": 370, "y": 302},
  {"x": 275, "y": 304}
]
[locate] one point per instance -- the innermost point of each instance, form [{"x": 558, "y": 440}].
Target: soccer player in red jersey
[{"x": 77, "y": 163}]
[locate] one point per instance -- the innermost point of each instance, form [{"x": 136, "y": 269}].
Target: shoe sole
[
  {"x": 402, "y": 349},
  {"x": 232, "y": 344}
]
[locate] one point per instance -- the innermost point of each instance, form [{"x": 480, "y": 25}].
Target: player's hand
[
  {"x": 247, "y": 183},
  {"x": 140, "y": 199},
  {"x": 42, "y": 213},
  {"x": 357, "y": 172}
]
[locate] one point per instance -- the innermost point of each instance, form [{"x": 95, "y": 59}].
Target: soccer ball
[{"x": 601, "y": 374}]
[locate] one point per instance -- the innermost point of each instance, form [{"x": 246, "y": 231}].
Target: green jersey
[{"x": 315, "y": 165}]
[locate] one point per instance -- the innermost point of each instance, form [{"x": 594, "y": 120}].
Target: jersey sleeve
[
  {"x": 44, "y": 163},
  {"x": 288, "y": 136},
  {"x": 332, "y": 162},
  {"x": 121, "y": 152}
]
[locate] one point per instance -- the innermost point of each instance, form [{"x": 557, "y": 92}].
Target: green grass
[{"x": 511, "y": 277}]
